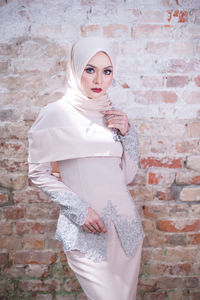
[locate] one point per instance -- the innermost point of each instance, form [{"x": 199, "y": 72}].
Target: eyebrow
[{"x": 88, "y": 65}]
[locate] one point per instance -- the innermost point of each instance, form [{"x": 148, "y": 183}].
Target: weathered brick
[
  {"x": 190, "y": 194},
  {"x": 15, "y": 271},
  {"x": 146, "y": 31},
  {"x": 70, "y": 285},
  {"x": 188, "y": 177},
  {"x": 90, "y": 29},
  {"x": 35, "y": 227},
  {"x": 178, "y": 225},
  {"x": 38, "y": 212},
  {"x": 194, "y": 239},
  {"x": 10, "y": 242},
  {"x": 13, "y": 213},
  {"x": 177, "y": 81},
  {"x": 193, "y": 162},
  {"x": 141, "y": 193},
  {"x": 152, "y": 81},
  {"x": 165, "y": 162},
  {"x": 176, "y": 240},
  {"x": 197, "y": 81},
  {"x": 161, "y": 178},
  {"x": 179, "y": 16},
  {"x": 189, "y": 146},
  {"x": 37, "y": 270},
  {"x": 154, "y": 97},
  {"x": 152, "y": 16},
  {"x": 157, "y": 47},
  {"x": 33, "y": 257},
  {"x": 115, "y": 30},
  {"x": 37, "y": 285},
  {"x": 193, "y": 129},
  {"x": 43, "y": 297},
  {"x": 13, "y": 181},
  {"x": 192, "y": 97},
  {"x": 32, "y": 242},
  {"x": 6, "y": 228},
  {"x": 4, "y": 198},
  {"x": 4, "y": 258}
]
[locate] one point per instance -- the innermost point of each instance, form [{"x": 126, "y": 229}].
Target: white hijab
[
  {"x": 82, "y": 51},
  {"x": 56, "y": 134}
]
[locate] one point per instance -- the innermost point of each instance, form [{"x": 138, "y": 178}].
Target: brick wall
[{"x": 158, "y": 78}]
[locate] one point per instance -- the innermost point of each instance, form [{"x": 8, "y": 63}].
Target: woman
[{"x": 95, "y": 147}]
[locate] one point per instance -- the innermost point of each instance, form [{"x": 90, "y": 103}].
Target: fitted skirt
[{"x": 115, "y": 278}]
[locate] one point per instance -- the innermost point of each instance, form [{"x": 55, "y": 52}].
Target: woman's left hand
[{"x": 117, "y": 120}]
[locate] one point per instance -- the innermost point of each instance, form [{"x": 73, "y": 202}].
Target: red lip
[{"x": 96, "y": 90}]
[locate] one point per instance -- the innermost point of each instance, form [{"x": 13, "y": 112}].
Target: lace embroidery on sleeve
[
  {"x": 72, "y": 206},
  {"x": 93, "y": 245},
  {"x": 130, "y": 142}
]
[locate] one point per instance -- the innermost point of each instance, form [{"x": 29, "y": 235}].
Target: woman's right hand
[{"x": 93, "y": 223}]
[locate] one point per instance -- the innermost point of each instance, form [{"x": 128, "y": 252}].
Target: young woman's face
[{"x": 97, "y": 75}]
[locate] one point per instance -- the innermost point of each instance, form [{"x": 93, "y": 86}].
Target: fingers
[{"x": 93, "y": 223}]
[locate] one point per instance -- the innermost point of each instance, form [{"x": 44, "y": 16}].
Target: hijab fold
[{"x": 73, "y": 126}]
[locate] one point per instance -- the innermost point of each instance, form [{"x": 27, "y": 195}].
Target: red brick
[
  {"x": 35, "y": 227},
  {"x": 175, "y": 240},
  {"x": 37, "y": 285},
  {"x": 170, "y": 226},
  {"x": 39, "y": 212},
  {"x": 32, "y": 242},
  {"x": 4, "y": 258},
  {"x": 155, "y": 211},
  {"x": 154, "y": 178},
  {"x": 165, "y": 162},
  {"x": 142, "y": 193},
  {"x": 3, "y": 198},
  {"x": 33, "y": 257},
  {"x": 15, "y": 271},
  {"x": 115, "y": 30},
  {"x": 13, "y": 213},
  {"x": 193, "y": 129},
  {"x": 179, "y": 16},
  {"x": 11, "y": 242},
  {"x": 6, "y": 228},
  {"x": 164, "y": 195},
  {"x": 177, "y": 81},
  {"x": 194, "y": 239}
]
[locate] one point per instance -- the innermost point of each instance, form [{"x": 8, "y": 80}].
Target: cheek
[{"x": 108, "y": 81}]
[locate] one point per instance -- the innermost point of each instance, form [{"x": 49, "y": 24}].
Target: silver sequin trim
[
  {"x": 93, "y": 245},
  {"x": 71, "y": 205},
  {"x": 130, "y": 143}
]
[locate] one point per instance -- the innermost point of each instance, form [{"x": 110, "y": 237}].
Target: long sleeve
[
  {"x": 129, "y": 161},
  {"x": 70, "y": 203}
]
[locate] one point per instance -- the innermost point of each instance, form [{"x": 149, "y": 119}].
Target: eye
[
  {"x": 89, "y": 70},
  {"x": 107, "y": 72}
]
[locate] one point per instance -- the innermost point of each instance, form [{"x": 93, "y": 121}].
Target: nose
[{"x": 98, "y": 78}]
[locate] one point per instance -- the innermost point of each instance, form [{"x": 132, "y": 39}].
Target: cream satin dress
[{"x": 107, "y": 265}]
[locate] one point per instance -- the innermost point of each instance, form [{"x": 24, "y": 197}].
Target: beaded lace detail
[
  {"x": 93, "y": 245},
  {"x": 130, "y": 142},
  {"x": 71, "y": 205}
]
